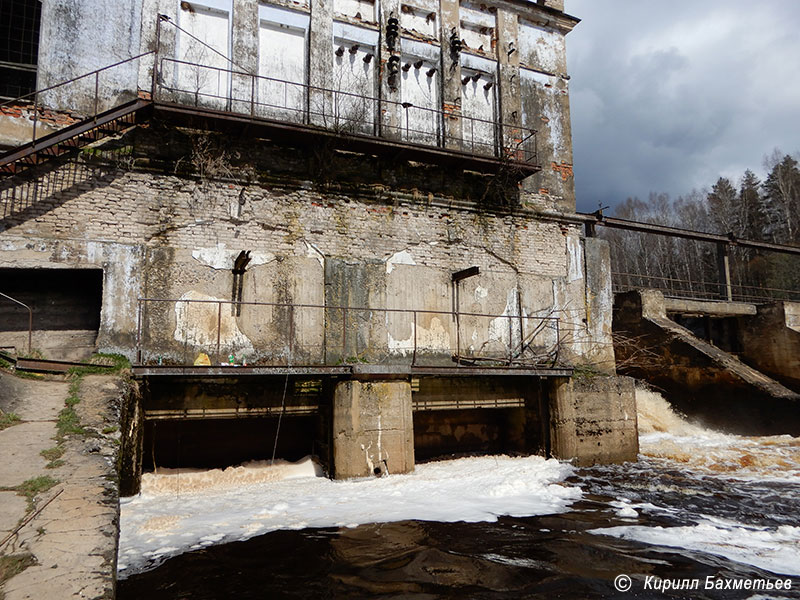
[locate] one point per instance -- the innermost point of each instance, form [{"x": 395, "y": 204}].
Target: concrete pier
[
  {"x": 593, "y": 420},
  {"x": 373, "y": 428},
  {"x": 771, "y": 341}
]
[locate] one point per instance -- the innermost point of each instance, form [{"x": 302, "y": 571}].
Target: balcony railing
[
  {"x": 176, "y": 331},
  {"x": 340, "y": 111}
]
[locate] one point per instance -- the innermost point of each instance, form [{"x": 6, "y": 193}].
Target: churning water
[{"x": 714, "y": 514}]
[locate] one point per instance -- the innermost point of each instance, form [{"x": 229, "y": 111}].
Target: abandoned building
[{"x": 350, "y": 220}]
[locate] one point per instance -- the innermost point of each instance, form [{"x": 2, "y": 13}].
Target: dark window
[{"x": 19, "y": 46}]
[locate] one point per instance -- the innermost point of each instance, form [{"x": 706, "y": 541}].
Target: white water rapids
[
  {"x": 181, "y": 511},
  {"x": 669, "y": 442}
]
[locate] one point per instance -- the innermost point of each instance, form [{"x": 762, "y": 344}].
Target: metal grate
[{"x": 19, "y": 46}]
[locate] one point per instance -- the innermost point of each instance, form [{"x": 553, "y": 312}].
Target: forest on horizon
[{"x": 745, "y": 209}]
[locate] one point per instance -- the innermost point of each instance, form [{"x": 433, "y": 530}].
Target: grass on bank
[
  {"x": 53, "y": 455},
  {"x": 32, "y": 488},
  {"x": 14, "y": 564},
  {"x": 8, "y": 419},
  {"x": 105, "y": 364}
]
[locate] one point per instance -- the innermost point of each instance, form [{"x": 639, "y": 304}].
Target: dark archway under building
[{"x": 66, "y": 305}]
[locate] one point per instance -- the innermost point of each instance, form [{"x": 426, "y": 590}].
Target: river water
[{"x": 717, "y": 515}]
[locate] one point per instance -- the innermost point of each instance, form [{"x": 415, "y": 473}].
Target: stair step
[
  {"x": 9, "y": 354},
  {"x": 52, "y": 366}
]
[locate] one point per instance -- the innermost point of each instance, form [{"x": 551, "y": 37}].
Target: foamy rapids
[
  {"x": 664, "y": 434},
  {"x": 188, "y": 509},
  {"x": 743, "y": 465},
  {"x": 179, "y": 511}
]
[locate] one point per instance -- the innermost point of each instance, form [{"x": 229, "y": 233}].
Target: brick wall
[{"x": 160, "y": 210}]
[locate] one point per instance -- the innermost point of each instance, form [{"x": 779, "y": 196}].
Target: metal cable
[{"x": 283, "y": 407}]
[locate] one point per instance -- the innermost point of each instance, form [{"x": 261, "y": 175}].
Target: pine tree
[
  {"x": 723, "y": 205},
  {"x": 751, "y": 208},
  {"x": 782, "y": 195}
]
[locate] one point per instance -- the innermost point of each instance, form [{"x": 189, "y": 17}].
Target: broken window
[
  {"x": 478, "y": 109},
  {"x": 420, "y": 94},
  {"x": 204, "y": 51},
  {"x": 420, "y": 19},
  {"x": 358, "y": 10},
  {"x": 353, "y": 104}
]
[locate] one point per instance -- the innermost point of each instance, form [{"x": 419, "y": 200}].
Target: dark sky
[{"x": 666, "y": 96}]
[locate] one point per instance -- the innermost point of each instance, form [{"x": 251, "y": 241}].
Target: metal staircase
[{"x": 69, "y": 140}]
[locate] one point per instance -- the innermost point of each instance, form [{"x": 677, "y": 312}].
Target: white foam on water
[
  {"x": 669, "y": 439},
  {"x": 773, "y": 549},
  {"x": 624, "y": 508},
  {"x": 180, "y": 511}
]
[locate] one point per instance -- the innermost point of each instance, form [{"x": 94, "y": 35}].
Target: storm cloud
[{"x": 668, "y": 96}]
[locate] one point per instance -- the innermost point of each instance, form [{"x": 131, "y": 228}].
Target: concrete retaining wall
[{"x": 770, "y": 341}]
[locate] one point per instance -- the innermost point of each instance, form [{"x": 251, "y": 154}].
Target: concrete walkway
[{"x": 74, "y": 538}]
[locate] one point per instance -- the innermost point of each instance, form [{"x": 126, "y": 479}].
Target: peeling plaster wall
[
  {"x": 77, "y": 37},
  {"x": 162, "y": 236},
  {"x": 545, "y": 108}
]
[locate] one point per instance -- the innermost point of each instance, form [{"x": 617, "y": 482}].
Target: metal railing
[
  {"x": 176, "y": 331},
  {"x": 340, "y": 111},
  {"x": 715, "y": 291},
  {"x": 31, "y": 101},
  {"x": 30, "y": 317},
  {"x": 232, "y": 89}
]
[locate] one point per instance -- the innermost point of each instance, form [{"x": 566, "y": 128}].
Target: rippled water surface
[{"x": 697, "y": 504}]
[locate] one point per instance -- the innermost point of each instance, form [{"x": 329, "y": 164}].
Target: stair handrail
[
  {"x": 30, "y": 317},
  {"x": 96, "y": 74},
  {"x": 74, "y": 79}
]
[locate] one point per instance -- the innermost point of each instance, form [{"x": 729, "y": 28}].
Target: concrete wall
[
  {"x": 77, "y": 37},
  {"x": 593, "y": 420},
  {"x": 544, "y": 85},
  {"x": 770, "y": 341}
]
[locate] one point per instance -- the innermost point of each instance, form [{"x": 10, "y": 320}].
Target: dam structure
[{"x": 343, "y": 228}]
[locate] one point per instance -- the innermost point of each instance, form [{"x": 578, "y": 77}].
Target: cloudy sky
[{"x": 666, "y": 96}]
